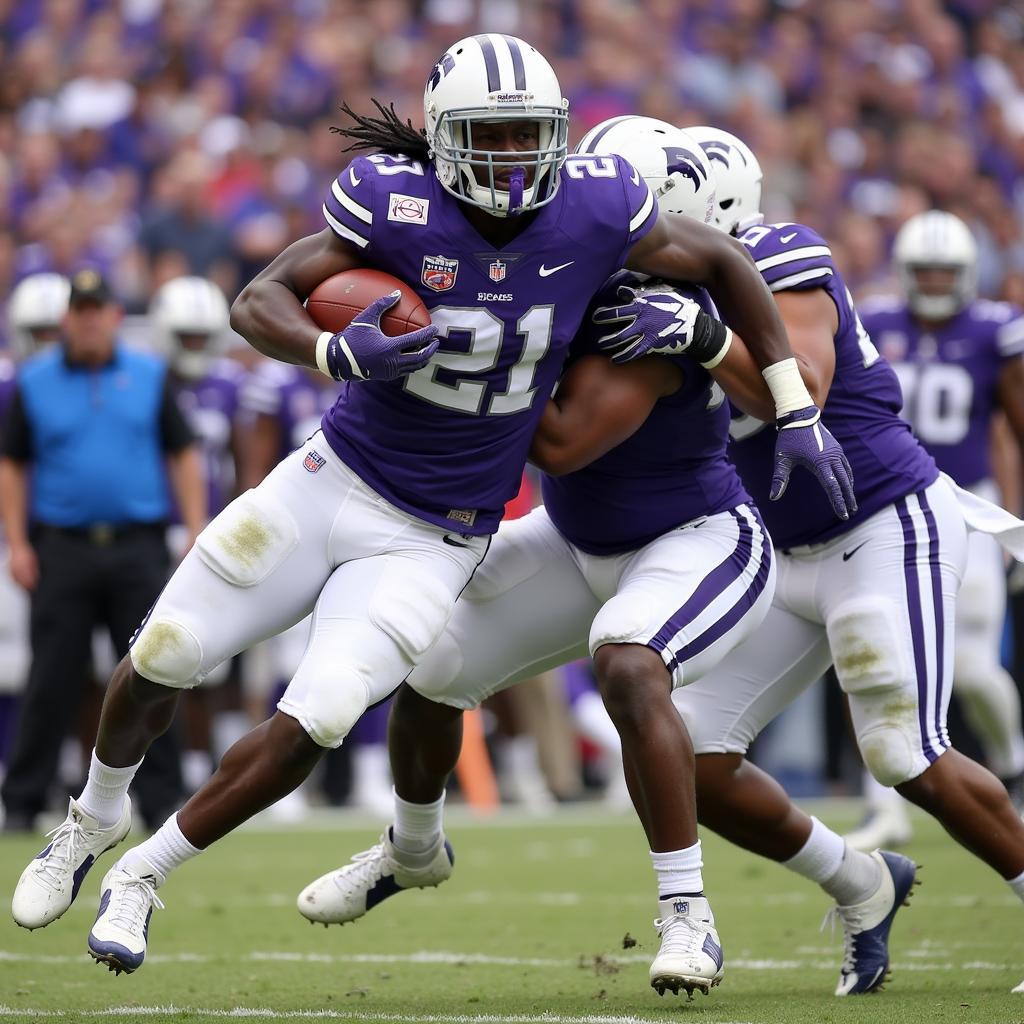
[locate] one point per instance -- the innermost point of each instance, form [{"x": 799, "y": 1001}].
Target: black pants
[{"x": 84, "y": 584}]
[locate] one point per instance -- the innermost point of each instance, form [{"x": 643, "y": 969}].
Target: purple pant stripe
[
  {"x": 715, "y": 583},
  {"x": 940, "y": 626},
  {"x": 733, "y": 615},
  {"x": 916, "y": 623}
]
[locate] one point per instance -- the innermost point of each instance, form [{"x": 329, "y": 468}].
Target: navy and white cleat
[
  {"x": 370, "y": 878},
  {"x": 121, "y": 930},
  {"x": 50, "y": 883},
  {"x": 690, "y": 956},
  {"x": 867, "y": 925}
]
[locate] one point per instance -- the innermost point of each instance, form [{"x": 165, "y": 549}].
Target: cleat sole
[{"x": 110, "y": 962}]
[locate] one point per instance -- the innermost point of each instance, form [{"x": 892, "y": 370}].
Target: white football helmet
[
  {"x": 737, "y": 179},
  {"x": 37, "y": 304},
  {"x": 937, "y": 239},
  {"x": 496, "y": 78},
  {"x": 190, "y": 318},
  {"x": 668, "y": 158}
]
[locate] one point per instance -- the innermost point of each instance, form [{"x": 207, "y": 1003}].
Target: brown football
[{"x": 336, "y": 301}]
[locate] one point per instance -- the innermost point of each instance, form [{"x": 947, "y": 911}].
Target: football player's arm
[
  {"x": 1010, "y": 391},
  {"x": 269, "y": 313},
  {"x": 597, "y": 406},
  {"x": 15, "y": 466},
  {"x": 811, "y": 322},
  {"x": 681, "y": 249}
]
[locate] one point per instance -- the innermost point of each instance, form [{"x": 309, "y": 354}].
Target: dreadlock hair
[{"x": 387, "y": 133}]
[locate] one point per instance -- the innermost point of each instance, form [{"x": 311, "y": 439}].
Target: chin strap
[{"x": 516, "y": 186}]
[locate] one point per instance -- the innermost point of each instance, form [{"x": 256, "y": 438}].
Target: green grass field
[{"x": 529, "y": 928}]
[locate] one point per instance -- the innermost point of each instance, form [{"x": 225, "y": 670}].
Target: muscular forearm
[
  {"x": 189, "y": 485},
  {"x": 14, "y": 501}
]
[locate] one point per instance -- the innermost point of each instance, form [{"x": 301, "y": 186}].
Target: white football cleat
[
  {"x": 886, "y": 825},
  {"x": 50, "y": 883},
  {"x": 371, "y": 877},
  {"x": 690, "y": 956},
  {"x": 866, "y": 926},
  {"x": 121, "y": 930}
]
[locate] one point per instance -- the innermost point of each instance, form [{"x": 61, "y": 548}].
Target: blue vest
[{"x": 97, "y": 455}]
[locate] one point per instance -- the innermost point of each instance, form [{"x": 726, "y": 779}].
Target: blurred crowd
[{"x": 153, "y": 138}]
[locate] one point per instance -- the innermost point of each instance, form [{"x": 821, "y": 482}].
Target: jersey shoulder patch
[{"x": 789, "y": 255}]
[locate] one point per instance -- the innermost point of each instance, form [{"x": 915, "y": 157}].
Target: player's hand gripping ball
[{"x": 375, "y": 327}]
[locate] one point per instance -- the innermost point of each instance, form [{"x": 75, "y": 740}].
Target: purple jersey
[
  {"x": 448, "y": 443},
  {"x": 209, "y": 406},
  {"x": 949, "y": 376},
  {"x": 296, "y": 398},
  {"x": 862, "y": 409},
  {"x": 672, "y": 470}
]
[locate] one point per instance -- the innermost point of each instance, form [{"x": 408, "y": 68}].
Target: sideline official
[{"x": 90, "y": 440}]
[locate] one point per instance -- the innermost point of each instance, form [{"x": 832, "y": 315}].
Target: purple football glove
[
  {"x": 654, "y": 320},
  {"x": 364, "y": 352},
  {"x": 804, "y": 441}
]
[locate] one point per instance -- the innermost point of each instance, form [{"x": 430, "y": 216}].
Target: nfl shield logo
[
  {"x": 497, "y": 271},
  {"x": 439, "y": 273},
  {"x": 314, "y": 461}
]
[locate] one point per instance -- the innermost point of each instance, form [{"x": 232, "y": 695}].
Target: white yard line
[
  {"x": 259, "y": 1013},
  {"x": 446, "y": 957}
]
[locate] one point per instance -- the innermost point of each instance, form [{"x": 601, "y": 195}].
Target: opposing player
[
  {"x": 646, "y": 554},
  {"x": 960, "y": 362},
  {"x": 380, "y": 522},
  {"x": 875, "y": 595}
]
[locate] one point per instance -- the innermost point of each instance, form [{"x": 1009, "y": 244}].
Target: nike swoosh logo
[
  {"x": 548, "y": 271},
  {"x": 787, "y": 238},
  {"x": 352, "y": 177},
  {"x": 453, "y": 543},
  {"x": 847, "y": 555},
  {"x": 635, "y": 177}
]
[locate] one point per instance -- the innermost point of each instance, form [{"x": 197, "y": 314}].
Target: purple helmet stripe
[
  {"x": 490, "y": 62},
  {"x": 517, "y": 62},
  {"x": 604, "y": 131},
  {"x": 916, "y": 624}
]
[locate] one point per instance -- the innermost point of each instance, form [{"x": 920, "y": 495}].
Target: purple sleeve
[
  {"x": 348, "y": 206},
  {"x": 1010, "y": 337},
  {"x": 789, "y": 256},
  {"x": 260, "y": 395},
  {"x": 640, "y": 205}
]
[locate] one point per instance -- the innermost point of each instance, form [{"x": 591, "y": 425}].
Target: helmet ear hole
[{"x": 726, "y": 203}]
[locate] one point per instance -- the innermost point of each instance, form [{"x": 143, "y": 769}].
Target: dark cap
[{"x": 89, "y": 286}]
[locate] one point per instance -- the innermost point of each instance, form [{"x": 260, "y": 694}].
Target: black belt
[{"x": 103, "y": 534}]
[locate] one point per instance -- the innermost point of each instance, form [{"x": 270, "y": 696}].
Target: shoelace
[
  {"x": 681, "y": 934},
  {"x": 363, "y": 867},
  {"x": 66, "y": 838},
  {"x": 131, "y": 900},
  {"x": 851, "y": 921}
]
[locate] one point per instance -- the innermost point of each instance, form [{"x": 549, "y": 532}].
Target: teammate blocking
[{"x": 412, "y": 467}]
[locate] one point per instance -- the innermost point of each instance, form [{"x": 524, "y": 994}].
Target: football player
[
  {"x": 378, "y": 524},
  {"x": 960, "y": 361},
  {"x": 646, "y": 554},
  {"x": 34, "y": 312},
  {"x": 875, "y": 595}
]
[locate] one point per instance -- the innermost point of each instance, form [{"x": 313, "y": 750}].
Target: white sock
[
  {"x": 166, "y": 849},
  {"x": 1017, "y": 885},
  {"x": 105, "y": 791},
  {"x": 847, "y": 875},
  {"x": 679, "y": 872},
  {"x": 417, "y": 826}
]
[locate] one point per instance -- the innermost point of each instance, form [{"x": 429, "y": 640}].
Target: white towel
[{"x": 987, "y": 517}]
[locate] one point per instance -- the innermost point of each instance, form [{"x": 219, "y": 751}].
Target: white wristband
[
  {"x": 722, "y": 352},
  {"x": 787, "y": 387},
  {"x": 321, "y": 352}
]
